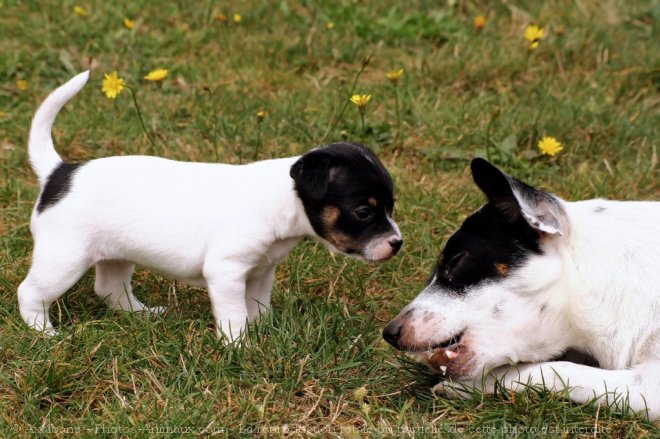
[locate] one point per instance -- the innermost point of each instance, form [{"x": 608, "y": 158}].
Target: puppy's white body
[
  {"x": 218, "y": 226},
  {"x": 223, "y": 227},
  {"x": 115, "y": 213},
  {"x": 592, "y": 285}
]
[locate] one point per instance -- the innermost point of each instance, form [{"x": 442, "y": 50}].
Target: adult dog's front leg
[
  {"x": 226, "y": 286},
  {"x": 617, "y": 388}
]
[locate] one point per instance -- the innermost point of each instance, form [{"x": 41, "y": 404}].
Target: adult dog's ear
[
  {"x": 513, "y": 198},
  {"x": 311, "y": 174}
]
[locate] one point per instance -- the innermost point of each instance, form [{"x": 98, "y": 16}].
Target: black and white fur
[
  {"x": 219, "y": 226},
  {"x": 530, "y": 276}
]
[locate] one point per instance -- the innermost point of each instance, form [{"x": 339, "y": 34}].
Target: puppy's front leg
[
  {"x": 226, "y": 287},
  {"x": 258, "y": 293},
  {"x": 582, "y": 384}
]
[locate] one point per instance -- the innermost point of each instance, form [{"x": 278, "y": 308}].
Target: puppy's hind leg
[
  {"x": 113, "y": 285},
  {"x": 55, "y": 268}
]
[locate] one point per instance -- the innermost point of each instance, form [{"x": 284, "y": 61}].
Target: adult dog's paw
[{"x": 454, "y": 389}]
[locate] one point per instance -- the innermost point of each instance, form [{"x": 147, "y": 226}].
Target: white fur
[
  {"x": 219, "y": 226},
  {"x": 43, "y": 156},
  {"x": 595, "y": 289}
]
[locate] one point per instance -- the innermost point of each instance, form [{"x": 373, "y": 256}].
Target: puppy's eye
[{"x": 363, "y": 213}]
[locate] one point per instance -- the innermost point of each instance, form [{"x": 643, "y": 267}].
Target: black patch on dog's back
[
  {"x": 486, "y": 239},
  {"x": 57, "y": 185}
]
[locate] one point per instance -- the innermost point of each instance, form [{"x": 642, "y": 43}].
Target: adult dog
[
  {"x": 219, "y": 226},
  {"x": 529, "y": 276}
]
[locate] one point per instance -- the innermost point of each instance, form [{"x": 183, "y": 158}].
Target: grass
[{"x": 592, "y": 83}]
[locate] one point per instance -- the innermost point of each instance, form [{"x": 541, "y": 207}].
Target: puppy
[
  {"x": 529, "y": 276},
  {"x": 218, "y": 226}
]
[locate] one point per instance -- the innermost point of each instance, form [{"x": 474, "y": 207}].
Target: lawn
[{"x": 592, "y": 83}]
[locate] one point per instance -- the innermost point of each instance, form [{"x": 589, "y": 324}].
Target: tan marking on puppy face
[
  {"x": 342, "y": 241},
  {"x": 502, "y": 269},
  {"x": 330, "y": 216},
  {"x": 372, "y": 202}
]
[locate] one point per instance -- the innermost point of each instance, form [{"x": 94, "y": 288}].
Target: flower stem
[
  {"x": 398, "y": 114},
  {"x": 256, "y": 150},
  {"x": 364, "y": 132},
  {"x": 365, "y": 63},
  {"x": 144, "y": 128}
]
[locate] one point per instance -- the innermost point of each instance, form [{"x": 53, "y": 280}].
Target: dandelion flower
[
  {"x": 550, "y": 146},
  {"x": 361, "y": 100},
  {"x": 366, "y": 409},
  {"x": 394, "y": 75},
  {"x": 22, "y": 84},
  {"x": 479, "y": 22},
  {"x": 157, "y": 75},
  {"x": 533, "y": 34},
  {"x": 330, "y": 25},
  {"x": 112, "y": 85},
  {"x": 237, "y": 18},
  {"x": 260, "y": 115},
  {"x": 128, "y": 23},
  {"x": 80, "y": 11}
]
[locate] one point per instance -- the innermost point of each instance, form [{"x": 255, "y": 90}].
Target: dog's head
[
  {"x": 348, "y": 197},
  {"x": 491, "y": 299}
]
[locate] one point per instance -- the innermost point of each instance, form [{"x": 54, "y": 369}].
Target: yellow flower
[
  {"x": 260, "y": 115},
  {"x": 112, "y": 85},
  {"x": 361, "y": 100},
  {"x": 533, "y": 34},
  {"x": 330, "y": 25},
  {"x": 366, "y": 409},
  {"x": 157, "y": 75},
  {"x": 394, "y": 75},
  {"x": 221, "y": 17},
  {"x": 22, "y": 84},
  {"x": 80, "y": 11},
  {"x": 128, "y": 23},
  {"x": 479, "y": 22},
  {"x": 550, "y": 146},
  {"x": 360, "y": 393},
  {"x": 237, "y": 18}
]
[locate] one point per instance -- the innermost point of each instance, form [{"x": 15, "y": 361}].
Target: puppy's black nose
[
  {"x": 396, "y": 245},
  {"x": 391, "y": 333}
]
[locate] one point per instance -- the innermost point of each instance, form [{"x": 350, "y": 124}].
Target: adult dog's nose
[
  {"x": 396, "y": 245},
  {"x": 391, "y": 333}
]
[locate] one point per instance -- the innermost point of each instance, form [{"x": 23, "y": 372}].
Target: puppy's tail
[{"x": 41, "y": 149}]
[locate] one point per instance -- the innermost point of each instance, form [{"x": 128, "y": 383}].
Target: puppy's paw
[
  {"x": 233, "y": 338},
  {"x": 155, "y": 310},
  {"x": 49, "y": 332}
]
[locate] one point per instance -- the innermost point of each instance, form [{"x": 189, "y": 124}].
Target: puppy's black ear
[
  {"x": 541, "y": 210},
  {"x": 311, "y": 174}
]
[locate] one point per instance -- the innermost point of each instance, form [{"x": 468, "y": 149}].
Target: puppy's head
[
  {"x": 493, "y": 295},
  {"x": 348, "y": 197}
]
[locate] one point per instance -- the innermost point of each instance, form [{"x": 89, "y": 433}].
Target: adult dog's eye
[
  {"x": 363, "y": 213},
  {"x": 456, "y": 261}
]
